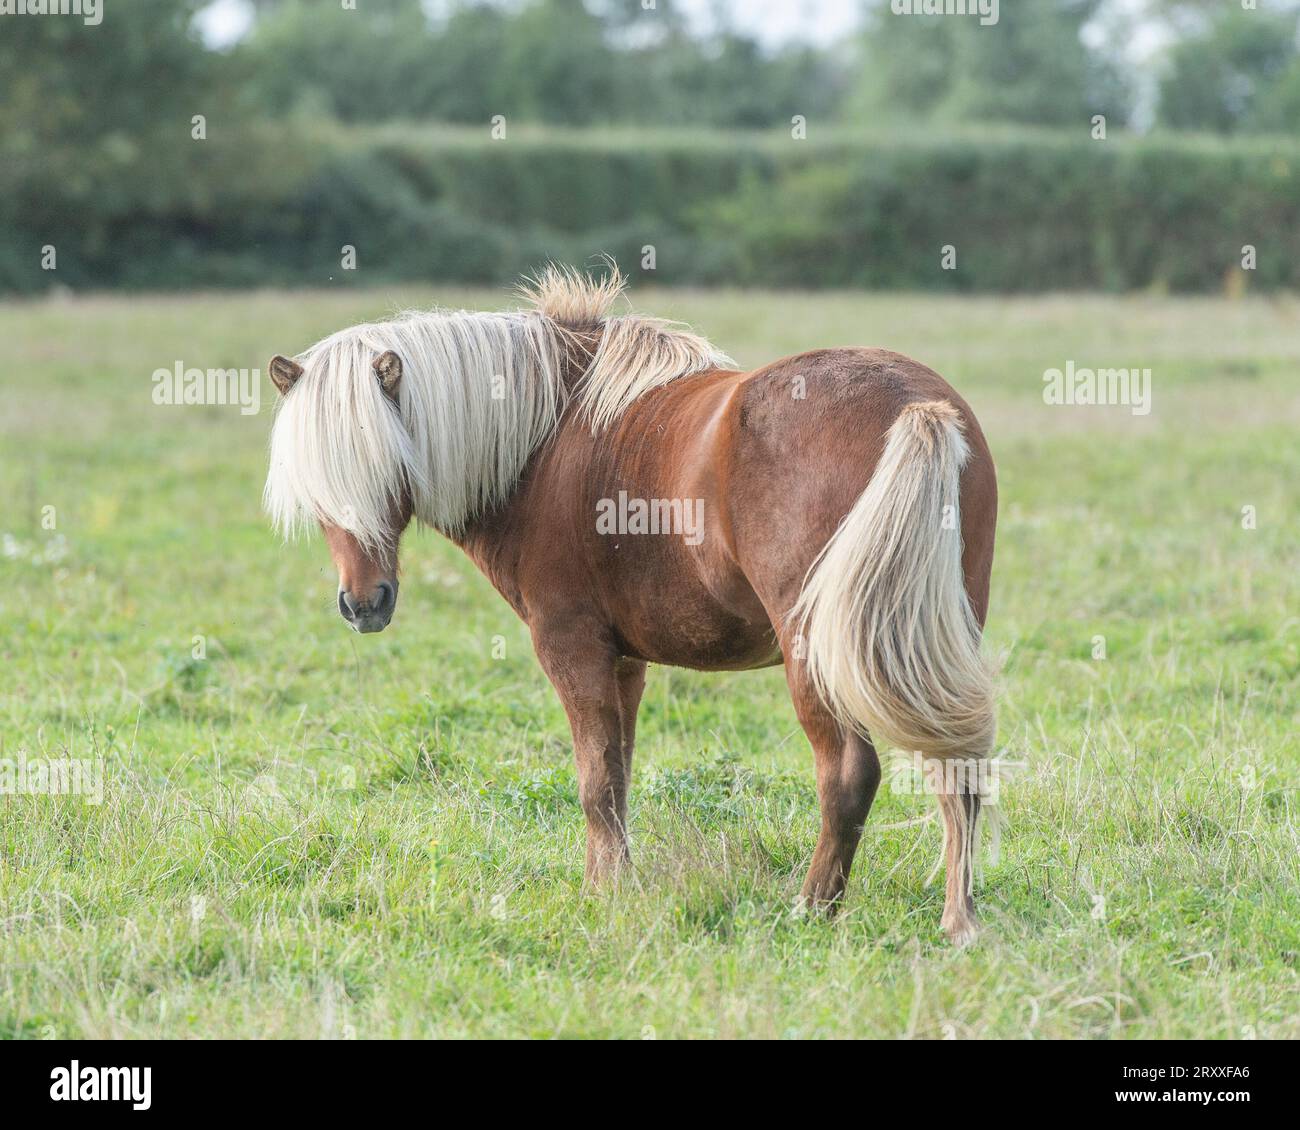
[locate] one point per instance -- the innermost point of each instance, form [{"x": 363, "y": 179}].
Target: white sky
[
  {"x": 778, "y": 21},
  {"x": 771, "y": 21}
]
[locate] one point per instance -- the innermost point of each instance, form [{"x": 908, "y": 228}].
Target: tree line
[{"x": 1218, "y": 67}]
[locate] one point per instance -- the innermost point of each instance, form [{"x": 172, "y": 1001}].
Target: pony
[{"x": 847, "y": 503}]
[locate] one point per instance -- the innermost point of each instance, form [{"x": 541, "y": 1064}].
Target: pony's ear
[
  {"x": 283, "y": 372},
  {"x": 388, "y": 368}
]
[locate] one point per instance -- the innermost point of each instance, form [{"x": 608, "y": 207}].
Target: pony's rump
[{"x": 891, "y": 641}]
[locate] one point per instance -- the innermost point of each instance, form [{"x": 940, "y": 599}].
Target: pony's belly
[{"x": 717, "y": 643}]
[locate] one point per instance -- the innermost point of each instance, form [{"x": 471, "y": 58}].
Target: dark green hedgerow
[{"x": 1024, "y": 210}]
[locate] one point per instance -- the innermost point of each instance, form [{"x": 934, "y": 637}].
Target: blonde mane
[
  {"x": 635, "y": 354},
  {"x": 480, "y": 392}
]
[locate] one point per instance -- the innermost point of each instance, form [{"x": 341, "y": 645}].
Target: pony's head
[
  {"x": 341, "y": 457},
  {"x": 428, "y": 415}
]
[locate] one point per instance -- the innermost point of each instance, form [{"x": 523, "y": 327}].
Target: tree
[
  {"x": 366, "y": 63},
  {"x": 1031, "y": 67},
  {"x": 1237, "y": 73}
]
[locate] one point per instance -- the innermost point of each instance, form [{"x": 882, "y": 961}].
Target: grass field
[{"x": 309, "y": 833}]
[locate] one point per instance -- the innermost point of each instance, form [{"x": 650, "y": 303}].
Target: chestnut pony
[{"x": 637, "y": 499}]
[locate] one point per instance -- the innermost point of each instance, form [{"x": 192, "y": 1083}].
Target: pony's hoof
[{"x": 962, "y": 931}]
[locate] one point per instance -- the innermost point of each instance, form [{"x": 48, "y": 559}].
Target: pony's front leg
[{"x": 583, "y": 672}]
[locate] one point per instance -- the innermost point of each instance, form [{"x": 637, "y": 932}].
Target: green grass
[{"x": 310, "y": 833}]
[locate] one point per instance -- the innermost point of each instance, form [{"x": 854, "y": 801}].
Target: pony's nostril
[
  {"x": 383, "y": 597},
  {"x": 347, "y": 605}
]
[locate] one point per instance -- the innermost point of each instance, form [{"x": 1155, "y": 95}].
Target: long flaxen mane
[{"x": 479, "y": 393}]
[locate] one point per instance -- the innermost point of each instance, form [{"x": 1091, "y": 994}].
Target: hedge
[{"x": 1024, "y": 210}]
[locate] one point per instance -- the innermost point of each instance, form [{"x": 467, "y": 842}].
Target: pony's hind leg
[{"x": 848, "y": 774}]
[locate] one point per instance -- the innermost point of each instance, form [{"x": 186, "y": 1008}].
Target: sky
[{"x": 772, "y": 22}]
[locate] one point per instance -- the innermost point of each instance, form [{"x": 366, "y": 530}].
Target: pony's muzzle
[{"x": 372, "y": 613}]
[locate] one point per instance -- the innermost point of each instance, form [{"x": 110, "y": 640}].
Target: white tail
[{"x": 890, "y": 640}]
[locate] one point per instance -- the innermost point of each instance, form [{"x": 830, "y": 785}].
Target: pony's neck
[
  {"x": 484, "y": 393},
  {"x": 491, "y": 537}
]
